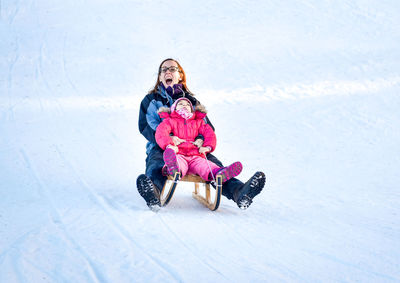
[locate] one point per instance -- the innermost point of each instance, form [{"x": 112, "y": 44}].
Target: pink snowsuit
[{"x": 189, "y": 160}]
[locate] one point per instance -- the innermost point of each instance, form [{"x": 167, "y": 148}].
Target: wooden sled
[{"x": 167, "y": 193}]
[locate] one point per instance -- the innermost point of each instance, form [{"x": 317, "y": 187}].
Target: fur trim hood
[{"x": 200, "y": 111}]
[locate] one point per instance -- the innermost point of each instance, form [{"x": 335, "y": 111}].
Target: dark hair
[{"x": 180, "y": 70}]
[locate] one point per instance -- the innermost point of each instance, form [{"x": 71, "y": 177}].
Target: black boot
[
  {"x": 149, "y": 192},
  {"x": 245, "y": 194}
]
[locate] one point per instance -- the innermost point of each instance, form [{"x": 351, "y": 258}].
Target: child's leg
[
  {"x": 171, "y": 162},
  {"x": 175, "y": 162},
  {"x": 200, "y": 166},
  {"x": 183, "y": 164}
]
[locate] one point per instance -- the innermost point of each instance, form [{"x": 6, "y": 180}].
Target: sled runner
[
  {"x": 205, "y": 199},
  {"x": 166, "y": 197}
]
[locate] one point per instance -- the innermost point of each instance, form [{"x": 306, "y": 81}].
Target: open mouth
[{"x": 168, "y": 81}]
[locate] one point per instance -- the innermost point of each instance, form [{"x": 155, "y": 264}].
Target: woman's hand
[
  {"x": 204, "y": 150},
  {"x": 176, "y": 140},
  {"x": 198, "y": 143}
]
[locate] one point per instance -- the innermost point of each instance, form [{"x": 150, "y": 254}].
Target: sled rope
[{"x": 209, "y": 166}]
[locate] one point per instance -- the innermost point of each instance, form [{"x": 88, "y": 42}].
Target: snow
[{"x": 306, "y": 91}]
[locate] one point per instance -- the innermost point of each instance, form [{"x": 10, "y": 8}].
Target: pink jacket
[{"x": 184, "y": 129}]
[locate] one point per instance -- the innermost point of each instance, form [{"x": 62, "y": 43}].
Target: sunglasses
[{"x": 172, "y": 69}]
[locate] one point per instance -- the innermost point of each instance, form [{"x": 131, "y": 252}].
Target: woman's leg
[
  {"x": 154, "y": 165},
  {"x": 241, "y": 193}
]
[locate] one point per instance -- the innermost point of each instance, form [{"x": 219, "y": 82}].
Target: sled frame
[
  {"x": 165, "y": 197},
  {"x": 205, "y": 198}
]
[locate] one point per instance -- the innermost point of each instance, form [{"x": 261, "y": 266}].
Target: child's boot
[
  {"x": 230, "y": 171},
  {"x": 170, "y": 161}
]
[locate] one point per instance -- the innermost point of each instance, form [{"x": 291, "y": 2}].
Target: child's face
[{"x": 183, "y": 104}]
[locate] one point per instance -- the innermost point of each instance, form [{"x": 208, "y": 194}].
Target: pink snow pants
[{"x": 195, "y": 165}]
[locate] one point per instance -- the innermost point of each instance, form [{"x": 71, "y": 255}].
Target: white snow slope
[{"x": 307, "y": 91}]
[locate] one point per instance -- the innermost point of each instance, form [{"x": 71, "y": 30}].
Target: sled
[{"x": 205, "y": 199}]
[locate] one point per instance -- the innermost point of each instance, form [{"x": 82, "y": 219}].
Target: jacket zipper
[{"x": 186, "y": 129}]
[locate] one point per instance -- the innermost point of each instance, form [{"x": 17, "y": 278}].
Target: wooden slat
[
  {"x": 206, "y": 199},
  {"x": 190, "y": 178}
]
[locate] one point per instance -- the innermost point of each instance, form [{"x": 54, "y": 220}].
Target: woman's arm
[{"x": 148, "y": 118}]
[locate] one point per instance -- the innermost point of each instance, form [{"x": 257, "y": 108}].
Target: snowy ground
[{"x": 307, "y": 91}]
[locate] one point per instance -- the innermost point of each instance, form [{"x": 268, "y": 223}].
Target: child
[{"x": 183, "y": 121}]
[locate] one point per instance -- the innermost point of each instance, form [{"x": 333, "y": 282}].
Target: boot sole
[
  {"x": 257, "y": 183},
  {"x": 147, "y": 190}
]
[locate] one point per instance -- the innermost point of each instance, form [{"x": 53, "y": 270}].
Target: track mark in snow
[
  {"x": 66, "y": 73},
  {"x": 14, "y": 13},
  {"x": 118, "y": 227},
  {"x": 242, "y": 240},
  {"x": 15, "y": 256},
  {"x": 11, "y": 105},
  {"x": 182, "y": 242},
  {"x": 357, "y": 267},
  {"x": 57, "y": 220},
  {"x": 40, "y": 64},
  {"x": 15, "y": 245},
  {"x": 41, "y": 76}
]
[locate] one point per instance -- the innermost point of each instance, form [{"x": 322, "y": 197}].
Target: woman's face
[
  {"x": 169, "y": 73},
  {"x": 183, "y": 104}
]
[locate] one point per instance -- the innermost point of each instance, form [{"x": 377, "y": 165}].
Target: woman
[{"x": 170, "y": 86}]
